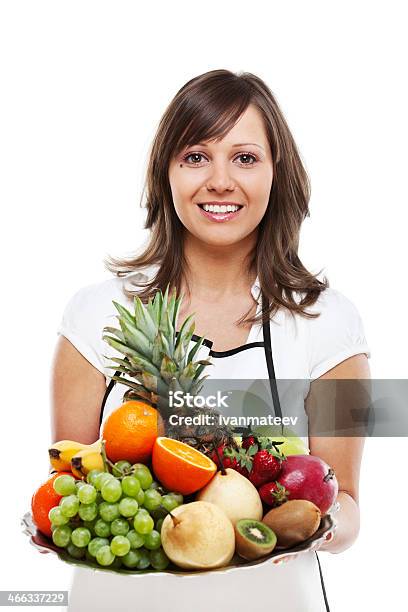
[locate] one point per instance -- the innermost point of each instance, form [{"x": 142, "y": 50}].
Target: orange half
[{"x": 180, "y": 467}]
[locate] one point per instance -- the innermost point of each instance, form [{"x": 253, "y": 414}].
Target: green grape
[
  {"x": 140, "y": 497},
  {"x": 109, "y": 512},
  {"x": 159, "y": 524},
  {"x": 95, "y": 544},
  {"x": 178, "y": 497},
  {"x": 158, "y": 513},
  {"x": 143, "y": 522},
  {"x": 111, "y": 490},
  {"x": 117, "y": 563},
  {"x": 69, "y": 505},
  {"x": 156, "y": 485},
  {"x": 169, "y": 502},
  {"x": 159, "y": 559},
  {"x": 88, "y": 512},
  {"x": 120, "y": 545},
  {"x": 152, "y": 499},
  {"x": 128, "y": 506},
  {"x": 119, "y": 526},
  {"x": 100, "y": 479},
  {"x": 102, "y": 528},
  {"x": 121, "y": 467},
  {"x": 57, "y": 517},
  {"x": 88, "y": 556},
  {"x": 143, "y": 474},
  {"x": 136, "y": 539},
  {"x": 64, "y": 485},
  {"x": 61, "y": 536},
  {"x": 92, "y": 475},
  {"x": 104, "y": 555},
  {"x": 131, "y": 486},
  {"x": 87, "y": 494},
  {"x": 89, "y": 525},
  {"x": 144, "y": 561},
  {"x": 131, "y": 559},
  {"x": 75, "y": 552},
  {"x": 152, "y": 540},
  {"x": 81, "y": 537}
]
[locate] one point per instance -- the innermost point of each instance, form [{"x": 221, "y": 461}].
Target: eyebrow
[{"x": 238, "y": 144}]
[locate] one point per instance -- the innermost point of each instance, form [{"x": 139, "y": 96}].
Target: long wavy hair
[{"x": 206, "y": 108}]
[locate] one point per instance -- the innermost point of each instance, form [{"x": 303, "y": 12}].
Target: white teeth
[{"x": 216, "y": 208}]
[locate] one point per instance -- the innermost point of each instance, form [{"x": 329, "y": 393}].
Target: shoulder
[
  {"x": 87, "y": 312},
  {"x": 336, "y": 334}
]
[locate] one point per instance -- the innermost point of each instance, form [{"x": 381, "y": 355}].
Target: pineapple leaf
[
  {"x": 181, "y": 334},
  {"x": 157, "y": 351},
  {"x": 129, "y": 383},
  {"x": 168, "y": 369},
  {"x": 131, "y": 394},
  {"x": 170, "y": 334},
  {"x": 186, "y": 377},
  {"x": 149, "y": 381},
  {"x": 163, "y": 310},
  {"x": 133, "y": 355},
  {"x": 144, "y": 320},
  {"x": 136, "y": 339},
  {"x": 177, "y": 306},
  {"x": 116, "y": 332},
  {"x": 124, "y": 313},
  {"x": 195, "y": 349}
]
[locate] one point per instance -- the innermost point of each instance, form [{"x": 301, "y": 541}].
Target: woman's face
[{"x": 237, "y": 170}]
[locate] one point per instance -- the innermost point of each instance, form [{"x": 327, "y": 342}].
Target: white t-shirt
[{"x": 302, "y": 349}]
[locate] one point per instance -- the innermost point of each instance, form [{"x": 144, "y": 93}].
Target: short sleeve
[
  {"x": 82, "y": 324},
  {"x": 336, "y": 334}
]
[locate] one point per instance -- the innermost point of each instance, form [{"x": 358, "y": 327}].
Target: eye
[{"x": 241, "y": 155}]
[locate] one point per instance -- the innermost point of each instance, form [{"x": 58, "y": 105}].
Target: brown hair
[{"x": 206, "y": 108}]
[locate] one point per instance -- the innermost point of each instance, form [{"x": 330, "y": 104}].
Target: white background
[{"x": 84, "y": 85}]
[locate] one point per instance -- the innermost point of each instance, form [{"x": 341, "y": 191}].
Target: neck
[{"x": 217, "y": 272}]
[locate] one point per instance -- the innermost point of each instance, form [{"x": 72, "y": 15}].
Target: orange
[
  {"x": 130, "y": 431},
  {"x": 42, "y": 501},
  {"x": 180, "y": 467}
]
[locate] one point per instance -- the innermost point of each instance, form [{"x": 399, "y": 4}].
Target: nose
[{"x": 220, "y": 178}]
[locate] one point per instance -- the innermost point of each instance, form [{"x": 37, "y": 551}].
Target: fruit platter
[{"x": 149, "y": 496}]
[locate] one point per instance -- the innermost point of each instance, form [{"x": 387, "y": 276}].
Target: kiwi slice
[{"x": 253, "y": 539}]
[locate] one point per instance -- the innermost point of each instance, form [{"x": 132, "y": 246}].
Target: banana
[
  {"x": 62, "y": 452},
  {"x": 87, "y": 459}
]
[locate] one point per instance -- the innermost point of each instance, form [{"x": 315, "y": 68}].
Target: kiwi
[
  {"x": 293, "y": 522},
  {"x": 253, "y": 539}
]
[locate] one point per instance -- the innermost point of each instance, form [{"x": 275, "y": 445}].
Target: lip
[
  {"x": 220, "y": 217},
  {"x": 221, "y": 203}
]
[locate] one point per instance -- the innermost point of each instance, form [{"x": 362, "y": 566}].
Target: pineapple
[{"x": 156, "y": 361}]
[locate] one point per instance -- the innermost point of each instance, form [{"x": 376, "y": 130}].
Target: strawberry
[
  {"x": 237, "y": 460},
  {"x": 266, "y": 466},
  {"x": 248, "y": 441},
  {"x": 273, "y": 493}
]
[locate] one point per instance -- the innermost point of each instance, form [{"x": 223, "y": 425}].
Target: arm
[
  {"x": 77, "y": 390},
  {"x": 344, "y": 456}
]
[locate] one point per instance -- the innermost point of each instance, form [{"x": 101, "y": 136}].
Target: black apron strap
[
  {"x": 269, "y": 362},
  {"x": 322, "y": 583},
  {"x": 105, "y": 397}
]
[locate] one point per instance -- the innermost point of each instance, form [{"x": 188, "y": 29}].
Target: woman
[{"x": 222, "y": 141}]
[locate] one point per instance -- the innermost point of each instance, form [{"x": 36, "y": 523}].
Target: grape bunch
[{"x": 113, "y": 519}]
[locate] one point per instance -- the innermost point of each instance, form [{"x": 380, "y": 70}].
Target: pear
[
  {"x": 233, "y": 494},
  {"x": 198, "y": 535}
]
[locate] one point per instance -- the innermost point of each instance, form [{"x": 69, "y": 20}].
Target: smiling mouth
[{"x": 219, "y": 206}]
